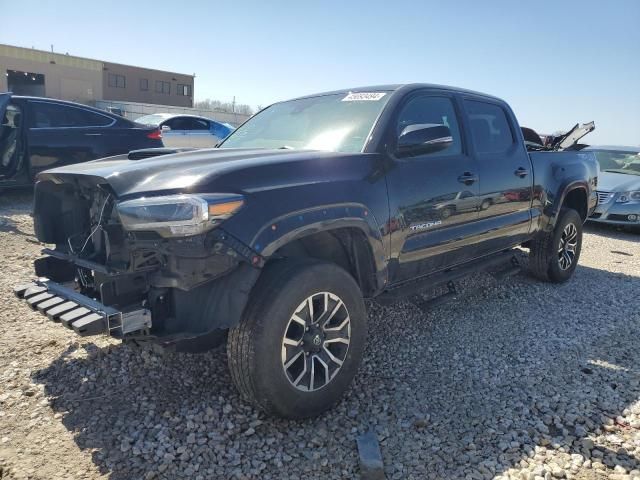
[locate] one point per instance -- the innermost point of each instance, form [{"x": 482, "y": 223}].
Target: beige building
[{"x": 27, "y": 71}]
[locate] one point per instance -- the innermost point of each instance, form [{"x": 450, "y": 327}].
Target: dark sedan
[{"x": 37, "y": 134}]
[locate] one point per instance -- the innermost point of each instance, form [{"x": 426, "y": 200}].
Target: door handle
[
  {"x": 92, "y": 134},
  {"x": 521, "y": 172},
  {"x": 468, "y": 178}
]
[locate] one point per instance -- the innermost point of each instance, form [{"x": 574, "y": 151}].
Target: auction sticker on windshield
[{"x": 364, "y": 96}]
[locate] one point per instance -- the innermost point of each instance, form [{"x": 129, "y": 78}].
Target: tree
[{"x": 219, "y": 106}]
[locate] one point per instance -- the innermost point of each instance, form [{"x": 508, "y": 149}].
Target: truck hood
[
  {"x": 618, "y": 182},
  {"x": 184, "y": 171}
]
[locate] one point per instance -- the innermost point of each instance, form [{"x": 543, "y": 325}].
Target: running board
[{"x": 448, "y": 276}]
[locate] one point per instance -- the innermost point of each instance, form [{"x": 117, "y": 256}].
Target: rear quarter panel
[{"x": 555, "y": 175}]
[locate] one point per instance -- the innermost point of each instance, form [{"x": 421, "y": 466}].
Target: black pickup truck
[{"x": 272, "y": 240}]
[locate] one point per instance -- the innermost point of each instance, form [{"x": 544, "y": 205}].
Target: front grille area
[{"x": 604, "y": 197}]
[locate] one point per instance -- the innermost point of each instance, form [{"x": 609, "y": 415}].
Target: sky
[{"x": 556, "y": 63}]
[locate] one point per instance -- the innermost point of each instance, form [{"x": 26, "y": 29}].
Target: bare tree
[{"x": 219, "y": 106}]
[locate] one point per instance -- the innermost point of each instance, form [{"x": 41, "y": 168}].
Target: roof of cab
[{"x": 404, "y": 87}]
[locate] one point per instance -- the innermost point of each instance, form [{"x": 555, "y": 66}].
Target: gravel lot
[{"x": 517, "y": 379}]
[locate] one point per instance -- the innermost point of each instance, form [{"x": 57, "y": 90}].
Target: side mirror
[{"x": 423, "y": 138}]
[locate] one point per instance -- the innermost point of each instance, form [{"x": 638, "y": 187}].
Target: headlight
[
  {"x": 178, "y": 215},
  {"x": 626, "y": 197}
]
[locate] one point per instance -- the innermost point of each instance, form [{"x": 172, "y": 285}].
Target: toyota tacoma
[{"x": 272, "y": 240}]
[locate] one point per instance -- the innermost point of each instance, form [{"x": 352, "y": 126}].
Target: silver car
[
  {"x": 618, "y": 186},
  {"x": 179, "y": 130}
]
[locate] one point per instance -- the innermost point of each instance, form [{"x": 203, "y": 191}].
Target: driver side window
[{"x": 428, "y": 110}]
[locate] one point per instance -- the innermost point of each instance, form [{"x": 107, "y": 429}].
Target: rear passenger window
[
  {"x": 489, "y": 127},
  {"x": 429, "y": 110},
  {"x": 196, "y": 124},
  {"x": 52, "y": 115}
]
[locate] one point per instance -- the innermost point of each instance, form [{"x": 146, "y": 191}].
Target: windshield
[
  {"x": 338, "y": 123},
  {"x": 618, "y": 162},
  {"x": 151, "y": 119}
]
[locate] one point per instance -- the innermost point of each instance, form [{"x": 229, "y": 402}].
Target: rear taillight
[{"x": 155, "y": 135}]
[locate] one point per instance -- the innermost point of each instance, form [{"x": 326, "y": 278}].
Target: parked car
[
  {"x": 618, "y": 185},
  {"x": 278, "y": 235},
  {"x": 187, "y": 130},
  {"x": 37, "y": 134}
]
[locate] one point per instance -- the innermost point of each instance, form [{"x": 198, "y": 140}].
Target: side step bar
[
  {"x": 84, "y": 315},
  {"x": 447, "y": 276}
]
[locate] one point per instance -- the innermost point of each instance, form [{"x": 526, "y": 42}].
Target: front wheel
[
  {"x": 554, "y": 255},
  {"x": 301, "y": 338}
]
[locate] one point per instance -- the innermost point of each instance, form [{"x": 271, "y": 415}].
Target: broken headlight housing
[{"x": 178, "y": 215}]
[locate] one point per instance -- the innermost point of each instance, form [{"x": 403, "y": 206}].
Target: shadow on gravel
[
  {"x": 8, "y": 225},
  {"x": 611, "y": 231},
  {"x": 468, "y": 390}
]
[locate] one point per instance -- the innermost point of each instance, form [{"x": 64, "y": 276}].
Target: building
[{"x": 27, "y": 71}]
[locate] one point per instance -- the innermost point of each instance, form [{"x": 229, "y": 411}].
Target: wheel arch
[
  {"x": 345, "y": 246},
  {"x": 574, "y": 194},
  {"x": 331, "y": 233}
]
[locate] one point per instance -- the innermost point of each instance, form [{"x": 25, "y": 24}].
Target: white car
[{"x": 180, "y": 130}]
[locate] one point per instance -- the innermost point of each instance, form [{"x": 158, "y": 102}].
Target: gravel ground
[{"x": 517, "y": 379}]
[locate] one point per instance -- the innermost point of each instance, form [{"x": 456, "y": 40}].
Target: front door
[
  {"x": 433, "y": 197},
  {"x": 10, "y": 141}
]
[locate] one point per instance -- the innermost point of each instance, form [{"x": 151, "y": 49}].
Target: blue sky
[{"x": 556, "y": 63}]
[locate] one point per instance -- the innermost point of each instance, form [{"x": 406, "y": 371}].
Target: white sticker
[{"x": 364, "y": 96}]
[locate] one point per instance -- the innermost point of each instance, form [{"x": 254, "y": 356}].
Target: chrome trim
[{"x": 604, "y": 197}]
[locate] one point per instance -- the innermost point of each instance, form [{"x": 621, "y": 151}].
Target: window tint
[
  {"x": 47, "y": 115},
  {"x": 174, "y": 123},
  {"x": 116, "y": 81},
  {"x": 432, "y": 111},
  {"x": 144, "y": 84},
  {"x": 195, "y": 124},
  {"x": 489, "y": 127},
  {"x": 163, "y": 87}
]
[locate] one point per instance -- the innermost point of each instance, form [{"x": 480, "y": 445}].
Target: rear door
[
  {"x": 60, "y": 134},
  {"x": 187, "y": 131},
  {"x": 198, "y": 133},
  {"x": 432, "y": 197},
  {"x": 506, "y": 177},
  {"x": 174, "y": 132}
]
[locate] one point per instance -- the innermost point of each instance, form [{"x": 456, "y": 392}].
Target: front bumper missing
[{"x": 84, "y": 315}]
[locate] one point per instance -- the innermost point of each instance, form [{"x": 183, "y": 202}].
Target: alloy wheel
[
  {"x": 568, "y": 246},
  {"x": 316, "y": 341}
]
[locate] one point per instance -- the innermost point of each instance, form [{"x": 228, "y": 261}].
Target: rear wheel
[
  {"x": 554, "y": 255},
  {"x": 301, "y": 339}
]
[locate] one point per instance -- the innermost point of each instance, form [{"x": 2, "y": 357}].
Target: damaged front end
[{"x": 152, "y": 268}]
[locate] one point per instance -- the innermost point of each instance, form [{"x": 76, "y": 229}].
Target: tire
[
  {"x": 546, "y": 260},
  {"x": 485, "y": 204},
  {"x": 256, "y": 350},
  {"x": 446, "y": 213}
]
